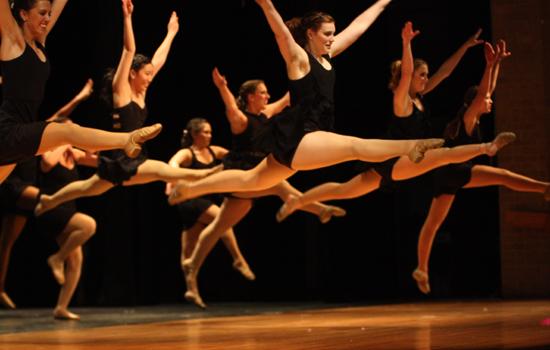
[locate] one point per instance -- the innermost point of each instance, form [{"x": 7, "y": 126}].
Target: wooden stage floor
[{"x": 480, "y": 324}]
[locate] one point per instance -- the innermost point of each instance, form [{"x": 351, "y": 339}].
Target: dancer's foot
[
  {"x": 192, "y": 293},
  {"x": 179, "y": 193},
  {"x": 44, "y": 204},
  {"x": 500, "y": 141},
  {"x": 194, "y": 298},
  {"x": 138, "y": 137},
  {"x": 244, "y": 269},
  {"x": 64, "y": 314},
  {"x": 6, "y": 301},
  {"x": 329, "y": 211},
  {"x": 422, "y": 146},
  {"x": 58, "y": 269},
  {"x": 422, "y": 281},
  {"x": 287, "y": 208}
]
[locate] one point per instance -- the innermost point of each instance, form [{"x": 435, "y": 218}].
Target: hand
[
  {"x": 491, "y": 56},
  {"x": 474, "y": 39},
  {"x": 173, "y": 23},
  {"x": 127, "y": 7},
  {"x": 502, "y": 51},
  {"x": 219, "y": 80},
  {"x": 407, "y": 33}
]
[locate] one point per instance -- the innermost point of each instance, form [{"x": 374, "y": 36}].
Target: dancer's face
[
  {"x": 419, "y": 80},
  {"x": 320, "y": 41},
  {"x": 259, "y": 99},
  {"x": 37, "y": 18},
  {"x": 142, "y": 77},
  {"x": 488, "y": 103},
  {"x": 203, "y": 137}
]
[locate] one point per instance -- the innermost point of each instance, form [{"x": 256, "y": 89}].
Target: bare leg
[
  {"x": 239, "y": 262},
  {"x": 484, "y": 175},
  {"x": 155, "y": 170},
  {"x": 78, "y": 230},
  {"x": 74, "y": 267},
  {"x": 189, "y": 238},
  {"x": 57, "y": 134},
  {"x": 316, "y": 150},
  {"x": 93, "y": 186},
  {"x": 5, "y": 171},
  {"x": 12, "y": 226},
  {"x": 360, "y": 185},
  {"x": 438, "y": 212},
  {"x": 231, "y": 212}
]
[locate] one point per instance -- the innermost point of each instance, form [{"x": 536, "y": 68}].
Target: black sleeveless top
[
  {"x": 197, "y": 164},
  {"x": 23, "y": 83},
  {"x": 312, "y": 109},
  {"x": 415, "y": 126}
]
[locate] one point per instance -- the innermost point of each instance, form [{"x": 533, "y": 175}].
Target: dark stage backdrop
[{"x": 369, "y": 255}]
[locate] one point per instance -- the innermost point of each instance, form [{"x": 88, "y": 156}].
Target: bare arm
[
  {"x": 450, "y": 64},
  {"x": 236, "y": 118},
  {"x": 159, "y": 58},
  {"x": 502, "y": 54},
  {"x": 219, "y": 151},
  {"x": 181, "y": 158},
  {"x": 12, "y": 42},
  {"x": 295, "y": 57},
  {"x": 84, "y": 158},
  {"x": 122, "y": 93},
  {"x": 402, "y": 103},
  {"x": 57, "y": 8},
  {"x": 357, "y": 27},
  {"x": 67, "y": 109},
  {"x": 277, "y": 106}
]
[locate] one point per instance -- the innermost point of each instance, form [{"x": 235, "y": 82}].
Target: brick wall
[{"x": 522, "y": 102}]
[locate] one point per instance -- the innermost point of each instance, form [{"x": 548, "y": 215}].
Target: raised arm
[
  {"x": 402, "y": 105},
  {"x": 67, "y": 109},
  {"x": 295, "y": 56},
  {"x": 57, "y": 8},
  {"x": 450, "y": 64},
  {"x": 502, "y": 54},
  {"x": 357, "y": 27},
  {"x": 12, "y": 41},
  {"x": 478, "y": 104},
  {"x": 236, "y": 118},
  {"x": 159, "y": 58},
  {"x": 121, "y": 87}
]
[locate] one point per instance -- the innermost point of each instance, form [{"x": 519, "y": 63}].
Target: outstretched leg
[
  {"x": 93, "y": 186},
  {"x": 484, "y": 175},
  {"x": 57, "y": 134},
  {"x": 360, "y": 185},
  {"x": 439, "y": 210},
  {"x": 155, "y": 170},
  {"x": 5, "y": 171}
]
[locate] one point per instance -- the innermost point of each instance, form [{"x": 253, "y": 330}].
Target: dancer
[
  {"x": 70, "y": 228},
  {"x": 464, "y": 129},
  {"x": 19, "y": 195},
  {"x": 197, "y": 213},
  {"x": 300, "y": 134},
  {"x": 249, "y": 117},
  {"x": 25, "y": 69},
  {"x": 409, "y": 83},
  {"x": 130, "y": 82}
]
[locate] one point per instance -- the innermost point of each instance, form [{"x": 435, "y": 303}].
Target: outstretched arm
[
  {"x": 277, "y": 106},
  {"x": 357, "y": 27},
  {"x": 12, "y": 41},
  {"x": 236, "y": 118},
  {"x": 159, "y": 58},
  {"x": 295, "y": 56},
  {"x": 81, "y": 96},
  {"x": 121, "y": 87},
  {"x": 450, "y": 64},
  {"x": 401, "y": 99}
]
